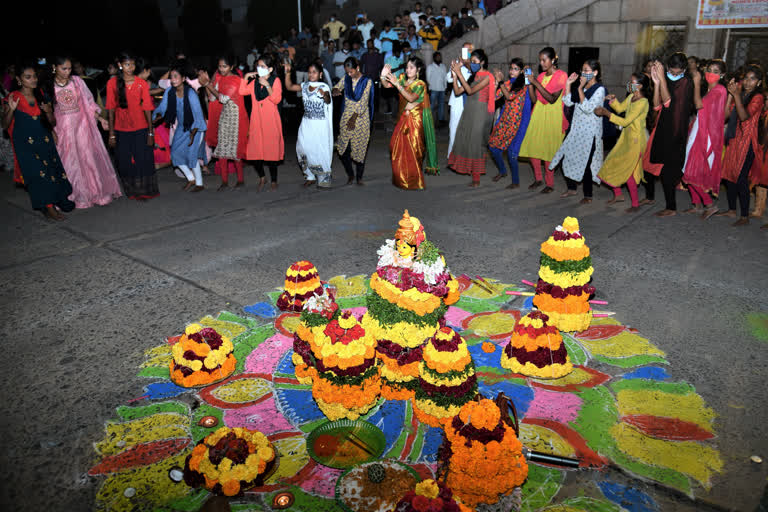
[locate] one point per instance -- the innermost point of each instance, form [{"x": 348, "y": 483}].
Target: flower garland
[
  {"x": 412, "y": 299},
  {"x": 485, "y": 457},
  {"x": 430, "y": 496},
  {"x": 536, "y": 349},
  {"x": 403, "y": 334},
  {"x": 200, "y": 357},
  {"x": 229, "y": 461}
]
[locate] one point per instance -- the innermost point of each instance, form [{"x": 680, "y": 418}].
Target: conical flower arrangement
[
  {"x": 347, "y": 383},
  {"x": 317, "y": 312},
  {"x": 301, "y": 283},
  {"x": 563, "y": 289},
  {"x": 411, "y": 290},
  {"x": 447, "y": 379},
  {"x": 536, "y": 349}
]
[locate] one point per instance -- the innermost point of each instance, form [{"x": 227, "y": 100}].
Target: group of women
[{"x": 704, "y": 127}]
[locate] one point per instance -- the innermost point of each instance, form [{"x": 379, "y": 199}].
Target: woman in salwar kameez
[
  {"x": 356, "y": 118},
  {"x": 314, "y": 145},
  {"x": 414, "y": 134},
  {"x": 29, "y": 121}
]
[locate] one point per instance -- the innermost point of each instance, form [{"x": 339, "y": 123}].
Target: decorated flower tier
[
  {"x": 230, "y": 461},
  {"x": 563, "y": 289},
  {"x": 317, "y": 312},
  {"x": 201, "y": 356},
  {"x": 482, "y": 456},
  {"x": 301, "y": 283},
  {"x": 410, "y": 292},
  {"x": 536, "y": 349},
  {"x": 447, "y": 379},
  {"x": 428, "y": 496},
  {"x": 347, "y": 382}
]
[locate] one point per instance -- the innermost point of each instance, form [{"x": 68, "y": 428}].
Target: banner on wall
[{"x": 732, "y": 14}]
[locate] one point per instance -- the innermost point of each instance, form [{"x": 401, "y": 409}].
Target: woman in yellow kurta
[
  {"x": 356, "y": 117},
  {"x": 548, "y": 124},
  {"x": 414, "y": 134},
  {"x": 624, "y": 164}
]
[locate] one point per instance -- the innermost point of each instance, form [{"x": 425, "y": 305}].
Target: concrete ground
[{"x": 82, "y": 299}]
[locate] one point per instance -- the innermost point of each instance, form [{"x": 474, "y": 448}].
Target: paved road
[{"x": 81, "y": 300}]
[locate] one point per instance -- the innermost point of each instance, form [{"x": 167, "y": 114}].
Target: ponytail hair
[
  {"x": 551, "y": 54},
  {"x": 122, "y": 99}
]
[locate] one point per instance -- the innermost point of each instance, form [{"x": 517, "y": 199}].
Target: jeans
[
  {"x": 740, "y": 189},
  {"x": 498, "y": 157},
  {"x": 437, "y": 100}
]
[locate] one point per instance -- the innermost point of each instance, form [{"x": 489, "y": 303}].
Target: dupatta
[{"x": 357, "y": 93}]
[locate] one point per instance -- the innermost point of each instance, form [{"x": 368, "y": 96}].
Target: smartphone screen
[
  {"x": 465, "y": 53},
  {"x": 528, "y": 71}
]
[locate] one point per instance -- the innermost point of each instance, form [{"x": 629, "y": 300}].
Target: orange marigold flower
[{"x": 488, "y": 347}]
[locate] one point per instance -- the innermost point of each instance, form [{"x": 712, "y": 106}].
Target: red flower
[{"x": 421, "y": 503}]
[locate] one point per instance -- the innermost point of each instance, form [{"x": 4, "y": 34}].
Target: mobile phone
[
  {"x": 465, "y": 53},
  {"x": 528, "y": 71}
]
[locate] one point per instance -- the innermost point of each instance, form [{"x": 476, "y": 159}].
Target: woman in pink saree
[{"x": 79, "y": 143}]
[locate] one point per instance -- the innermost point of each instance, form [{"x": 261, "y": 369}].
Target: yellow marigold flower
[
  {"x": 571, "y": 224},
  {"x": 428, "y": 488},
  {"x": 347, "y": 323},
  {"x": 192, "y": 329},
  {"x": 266, "y": 454},
  {"x": 225, "y": 464},
  {"x": 196, "y": 365}
]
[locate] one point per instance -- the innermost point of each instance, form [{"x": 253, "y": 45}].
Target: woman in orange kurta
[{"x": 265, "y": 135}]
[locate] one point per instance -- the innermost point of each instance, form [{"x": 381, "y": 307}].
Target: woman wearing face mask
[
  {"x": 314, "y": 146},
  {"x": 741, "y": 169},
  {"x": 672, "y": 99},
  {"x": 29, "y": 121},
  {"x": 356, "y": 117},
  {"x": 265, "y": 136},
  {"x": 471, "y": 144},
  {"x": 89, "y": 168},
  {"x": 414, "y": 135},
  {"x": 582, "y": 150},
  {"x": 509, "y": 130},
  {"x": 180, "y": 103},
  {"x": 624, "y": 164},
  {"x": 703, "y": 158},
  {"x": 227, "y": 122},
  {"x": 548, "y": 123},
  {"x": 130, "y": 130}
]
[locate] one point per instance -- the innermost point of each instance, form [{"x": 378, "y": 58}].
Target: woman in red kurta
[
  {"x": 265, "y": 135},
  {"x": 740, "y": 167},
  {"x": 227, "y": 121}
]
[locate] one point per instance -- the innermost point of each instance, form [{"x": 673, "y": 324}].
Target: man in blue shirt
[
  {"x": 387, "y": 37},
  {"x": 395, "y": 61}
]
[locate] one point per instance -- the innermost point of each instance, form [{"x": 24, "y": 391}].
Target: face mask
[
  {"x": 474, "y": 67},
  {"x": 344, "y": 51},
  {"x": 632, "y": 87},
  {"x": 674, "y": 78},
  {"x": 333, "y": 19},
  {"x": 587, "y": 76},
  {"x": 711, "y": 78},
  {"x": 262, "y": 71}
]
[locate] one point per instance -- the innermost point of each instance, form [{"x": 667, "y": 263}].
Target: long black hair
[
  {"x": 37, "y": 92},
  {"x": 594, "y": 65},
  {"x": 170, "y": 112},
  {"x": 519, "y": 82},
  {"x": 49, "y": 87},
  {"x": 645, "y": 82},
  {"x": 122, "y": 99},
  {"x": 760, "y": 74}
]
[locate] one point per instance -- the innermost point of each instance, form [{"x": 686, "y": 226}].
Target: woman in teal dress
[{"x": 30, "y": 122}]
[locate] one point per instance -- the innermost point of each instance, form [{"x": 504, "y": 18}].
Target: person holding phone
[
  {"x": 456, "y": 100},
  {"x": 548, "y": 124},
  {"x": 469, "y": 150},
  {"x": 265, "y": 135},
  {"x": 510, "y": 128}
]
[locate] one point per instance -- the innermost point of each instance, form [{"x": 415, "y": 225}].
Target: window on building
[
  {"x": 746, "y": 46},
  {"x": 661, "y": 41},
  {"x": 577, "y": 55}
]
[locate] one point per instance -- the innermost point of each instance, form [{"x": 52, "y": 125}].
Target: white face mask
[{"x": 262, "y": 71}]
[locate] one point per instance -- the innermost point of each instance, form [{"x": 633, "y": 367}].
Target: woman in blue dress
[
  {"x": 181, "y": 105},
  {"x": 29, "y": 120}
]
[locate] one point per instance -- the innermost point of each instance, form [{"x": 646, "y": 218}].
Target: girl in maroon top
[{"x": 130, "y": 130}]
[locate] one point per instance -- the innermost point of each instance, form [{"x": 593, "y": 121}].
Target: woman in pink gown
[{"x": 79, "y": 142}]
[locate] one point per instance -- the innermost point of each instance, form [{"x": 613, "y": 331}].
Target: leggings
[
  {"x": 587, "y": 179},
  {"x": 632, "y": 187},
  {"x": 259, "y": 164},
  {"x": 346, "y": 160},
  {"x": 649, "y": 185},
  {"x": 224, "y": 167},
  {"x": 670, "y": 178},
  {"x": 740, "y": 189},
  {"x": 550, "y": 174},
  {"x": 699, "y": 196},
  {"x": 193, "y": 174},
  {"x": 498, "y": 157}
]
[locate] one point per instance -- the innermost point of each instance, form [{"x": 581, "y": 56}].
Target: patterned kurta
[
  {"x": 738, "y": 147},
  {"x": 358, "y": 138},
  {"x": 509, "y": 121}
]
